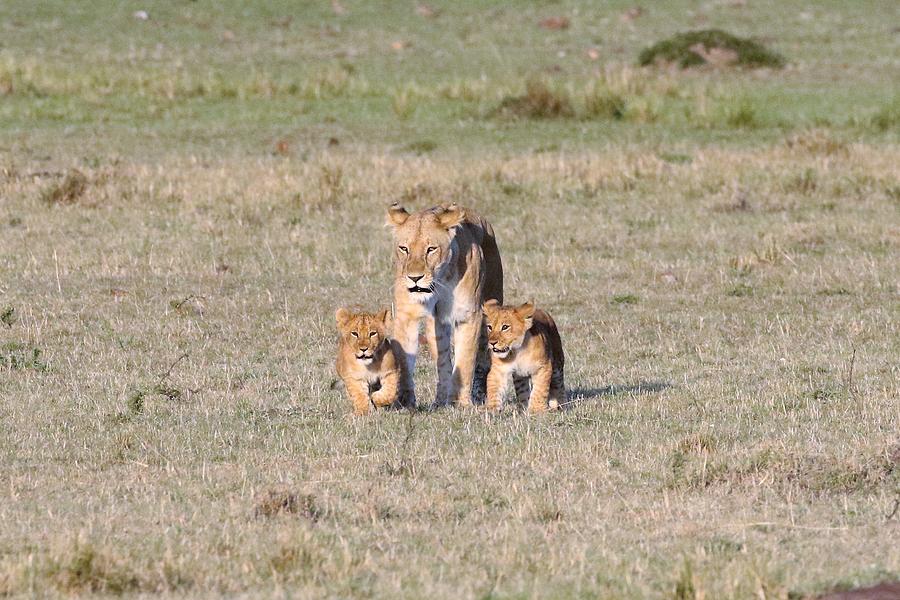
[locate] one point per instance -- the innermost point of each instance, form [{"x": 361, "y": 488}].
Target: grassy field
[{"x": 186, "y": 198}]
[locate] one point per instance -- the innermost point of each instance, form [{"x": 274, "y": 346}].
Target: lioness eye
[
  {"x": 403, "y": 249},
  {"x": 504, "y": 328},
  {"x": 354, "y": 334},
  {"x": 430, "y": 249},
  {"x": 489, "y": 328}
]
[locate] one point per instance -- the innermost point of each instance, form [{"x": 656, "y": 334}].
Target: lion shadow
[{"x": 575, "y": 396}]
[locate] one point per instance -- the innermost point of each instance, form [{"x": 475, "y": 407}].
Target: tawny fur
[
  {"x": 446, "y": 264},
  {"x": 526, "y": 347},
  {"x": 366, "y": 361}
]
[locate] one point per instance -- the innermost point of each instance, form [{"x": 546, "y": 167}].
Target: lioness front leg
[
  {"x": 431, "y": 337},
  {"x": 465, "y": 349},
  {"x": 443, "y": 337},
  {"x": 406, "y": 345}
]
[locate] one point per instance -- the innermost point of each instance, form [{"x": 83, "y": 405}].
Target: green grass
[{"x": 185, "y": 200}]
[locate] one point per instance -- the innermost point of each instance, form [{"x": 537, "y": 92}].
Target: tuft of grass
[
  {"x": 68, "y": 191},
  {"x": 404, "y": 102},
  {"x": 86, "y": 570},
  {"x": 685, "y": 588},
  {"x": 888, "y": 118},
  {"x": 420, "y": 147},
  {"x": 276, "y": 502},
  {"x": 625, "y": 299},
  {"x": 538, "y": 102},
  {"x": 604, "y": 104},
  {"x": 19, "y": 357},
  {"x": 8, "y": 316},
  {"x": 135, "y": 402},
  {"x": 741, "y": 290},
  {"x": 697, "y": 48}
]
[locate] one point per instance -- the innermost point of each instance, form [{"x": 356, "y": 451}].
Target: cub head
[
  {"x": 506, "y": 326},
  {"x": 363, "y": 332},
  {"x": 423, "y": 246}
]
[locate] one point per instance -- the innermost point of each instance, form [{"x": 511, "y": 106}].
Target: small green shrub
[
  {"x": 687, "y": 50},
  {"x": 625, "y": 299}
]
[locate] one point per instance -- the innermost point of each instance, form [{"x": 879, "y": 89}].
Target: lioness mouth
[
  {"x": 499, "y": 350},
  {"x": 419, "y": 290}
]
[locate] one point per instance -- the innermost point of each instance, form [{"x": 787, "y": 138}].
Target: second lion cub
[
  {"x": 365, "y": 360},
  {"x": 524, "y": 344}
]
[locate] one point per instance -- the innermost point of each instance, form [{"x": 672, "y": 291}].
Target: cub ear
[
  {"x": 452, "y": 216},
  {"x": 384, "y": 316},
  {"x": 397, "y": 215},
  {"x": 342, "y": 316},
  {"x": 526, "y": 312},
  {"x": 489, "y": 306}
]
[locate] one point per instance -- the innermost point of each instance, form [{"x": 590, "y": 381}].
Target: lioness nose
[{"x": 415, "y": 278}]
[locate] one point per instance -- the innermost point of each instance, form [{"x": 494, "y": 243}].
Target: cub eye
[
  {"x": 504, "y": 328},
  {"x": 372, "y": 334},
  {"x": 490, "y": 328},
  {"x": 354, "y": 334},
  {"x": 403, "y": 249},
  {"x": 430, "y": 249}
]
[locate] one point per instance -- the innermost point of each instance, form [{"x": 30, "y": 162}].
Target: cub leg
[
  {"x": 523, "y": 388},
  {"x": 465, "y": 347},
  {"x": 540, "y": 390},
  {"x": 496, "y": 385},
  {"x": 557, "y": 389},
  {"x": 358, "y": 391},
  {"x": 387, "y": 395},
  {"x": 482, "y": 367}
]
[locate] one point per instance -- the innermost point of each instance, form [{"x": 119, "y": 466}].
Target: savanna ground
[{"x": 185, "y": 199}]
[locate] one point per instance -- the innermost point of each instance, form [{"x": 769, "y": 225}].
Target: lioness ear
[
  {"x": 526, "y": 312},
  {"x": 397, "y": 215},
  {"x": 489, "y": 306},
  {"x": 342, "y": 316},
  {"x": 384, "y": 315},
  {"x": 452, "y": 216}
]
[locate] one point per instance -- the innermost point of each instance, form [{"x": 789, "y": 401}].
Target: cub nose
[
  {"x": 363, "y": 348},
  {"x": 415, "y": 278}
]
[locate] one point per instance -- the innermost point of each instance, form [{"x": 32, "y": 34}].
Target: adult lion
[{"x": 446, "y": 265}]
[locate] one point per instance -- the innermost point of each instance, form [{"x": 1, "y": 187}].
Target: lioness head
[
  {"x": 363, "y": 332},
  {"x": 423, "y": 246},
  {"x": 506, "y": 326}
]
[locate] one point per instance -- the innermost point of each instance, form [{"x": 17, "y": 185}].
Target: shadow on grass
[{"x": 577, "y": 395}]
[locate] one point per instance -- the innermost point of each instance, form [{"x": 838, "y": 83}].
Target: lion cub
[
  {"x": 524, "y": 343},
  {"x": 365, "y": 360}
]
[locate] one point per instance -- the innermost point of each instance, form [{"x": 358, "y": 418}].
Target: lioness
[{"x": 446, "y": 265}]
